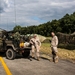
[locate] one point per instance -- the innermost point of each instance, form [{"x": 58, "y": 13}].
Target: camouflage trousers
[
  {"x": 54, "y": 54},
  {"x": 35, "y": 51}
]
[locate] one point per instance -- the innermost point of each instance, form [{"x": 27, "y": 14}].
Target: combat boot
[
  {"x": 51, "y": 60},
  {"x": 38, "y": 59},
  {"x": 33, "y": 56},
  {"x": 56, "y": 59}
]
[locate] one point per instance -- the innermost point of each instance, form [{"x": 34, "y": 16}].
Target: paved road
[
  {"x": 22, "y": 66},
  {"x": 2, "y": 72}
]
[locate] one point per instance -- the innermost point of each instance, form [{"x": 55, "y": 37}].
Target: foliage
[{"x": 65, "y": 25}]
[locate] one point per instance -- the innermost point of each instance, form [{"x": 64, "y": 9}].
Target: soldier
[
  {"x": 35, "y": 46},
  {"x": 54, "y": 44}
]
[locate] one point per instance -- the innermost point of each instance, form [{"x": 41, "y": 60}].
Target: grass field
[{"x": 63, "y": 53}]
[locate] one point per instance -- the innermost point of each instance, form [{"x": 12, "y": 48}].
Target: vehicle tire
[
  {"x": 10, "y": 54},
  {"x": 26, "y": 54}
]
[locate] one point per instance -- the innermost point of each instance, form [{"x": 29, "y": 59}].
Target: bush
[{"x": 67, "y": 46}]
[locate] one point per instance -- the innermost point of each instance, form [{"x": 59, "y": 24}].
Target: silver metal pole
[
  {"x": 0, "y": 13},
  {"x": 15, "y": 10}
]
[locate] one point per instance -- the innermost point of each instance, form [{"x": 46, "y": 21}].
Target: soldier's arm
[
  {"x": 39, "y": 42},
  {"x": 56, "y": 38},
  {"x": 32, "y": 42}
]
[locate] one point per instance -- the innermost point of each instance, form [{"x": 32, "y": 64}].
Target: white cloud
[
  {"x": 4, "y": 4},
  {"x": 26, "y": 10}
]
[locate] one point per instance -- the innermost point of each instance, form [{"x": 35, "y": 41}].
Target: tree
[
  {"x": 17, "y": 29},
  {"x": 66, "y": 25}
]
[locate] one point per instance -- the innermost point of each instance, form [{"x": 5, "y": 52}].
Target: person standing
[
  {"x": 54, "y": 44},
  {"x": 35, "y": 46}
]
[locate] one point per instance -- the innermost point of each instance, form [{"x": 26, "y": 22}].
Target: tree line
[{"x": 64, "y": 25}]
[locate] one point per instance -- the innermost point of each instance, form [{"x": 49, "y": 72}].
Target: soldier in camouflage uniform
[
  {"x": 54, "y": 44},
  {"x": 35, "y": 46}
]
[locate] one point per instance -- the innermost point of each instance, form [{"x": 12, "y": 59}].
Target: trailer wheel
[
  {"x": 10, "y": 54},
  {"x": 26, "y": 54}
]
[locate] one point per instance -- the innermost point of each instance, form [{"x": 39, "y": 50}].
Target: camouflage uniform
[
  {"x": 35, "y": 47},
  {"x": 54, "y": 43}
]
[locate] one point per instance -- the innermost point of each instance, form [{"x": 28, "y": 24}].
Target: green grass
[
  {"x": 45, "y": 45},
  {"x": 48, "y": 37},
  {"x": 63, "y": 53}
]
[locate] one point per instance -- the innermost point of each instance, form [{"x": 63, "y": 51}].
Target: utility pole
[
  {"x": 15, "y": 11},
  {"x": 0, "y": 12}
]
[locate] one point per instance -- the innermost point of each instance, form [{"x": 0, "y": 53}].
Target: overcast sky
[{"x": 32, "y": 12}]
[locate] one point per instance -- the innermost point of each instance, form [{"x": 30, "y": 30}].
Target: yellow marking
[{"x": 5, "y": 67}]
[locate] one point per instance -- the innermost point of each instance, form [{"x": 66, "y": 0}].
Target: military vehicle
[{"x": 13, "y": 44}]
